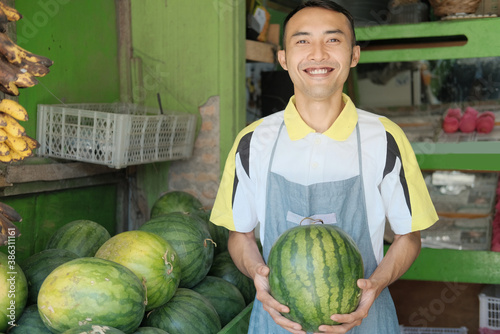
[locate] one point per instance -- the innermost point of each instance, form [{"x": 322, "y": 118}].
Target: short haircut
[{"x": 326, "y": 4}]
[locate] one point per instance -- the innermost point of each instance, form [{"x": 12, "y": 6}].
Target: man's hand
[
  {"x": 271, "y": 305},
  {"x": 351, "y": 320}
]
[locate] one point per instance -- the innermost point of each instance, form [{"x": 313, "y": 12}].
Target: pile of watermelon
[{"x": 172, "y": 275}]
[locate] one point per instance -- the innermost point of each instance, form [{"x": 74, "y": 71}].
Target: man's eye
[
  {"x": 333, "y": 40},
  {"x": 302, "y": 41}
]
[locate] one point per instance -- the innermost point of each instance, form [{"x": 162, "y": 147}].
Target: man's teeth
[{"x": 319, "y": 71}]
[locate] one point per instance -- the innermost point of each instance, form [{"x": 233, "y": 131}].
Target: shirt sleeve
[
  {"x": 406, "y": 198},
  {"x": 234, "y": 206}
]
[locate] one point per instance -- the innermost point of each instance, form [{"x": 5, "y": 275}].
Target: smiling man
[{"x": 323, "y": 157}]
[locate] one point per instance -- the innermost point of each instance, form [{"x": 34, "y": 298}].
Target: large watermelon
[
  {"x": 30, "y": 322},
  {"x": 314, "y": 271},
  {"x": 13, "y": 290},
  {"x": 224, "y": 297},
  {"x": 189, "y": 236},
  {"x": 83, "y": 237},
  {"x": 175, "y": 201},
  {"x": 149, "y": 330},
  {"x": 224, "y": 267},
  {"x": 39, "y": 265},
  {"x": 151, "y": 258},
  {"x": 93, "y": 291},
  {"x": 186, "y": 312},
  {"x": 93, "y": 329}
]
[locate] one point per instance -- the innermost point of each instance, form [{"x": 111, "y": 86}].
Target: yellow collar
[{"x": 340, "y": 130}]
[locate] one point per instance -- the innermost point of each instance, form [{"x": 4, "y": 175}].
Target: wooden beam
[{"x": 53, "y": 172}]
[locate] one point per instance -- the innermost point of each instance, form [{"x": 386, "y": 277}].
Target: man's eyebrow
[{"x": 327, "y": 32}]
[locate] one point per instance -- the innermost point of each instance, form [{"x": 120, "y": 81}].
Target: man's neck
[{"x": 319, "y": 114}]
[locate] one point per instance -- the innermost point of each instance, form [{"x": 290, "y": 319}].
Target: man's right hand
[{"x": 271, "y": 305}]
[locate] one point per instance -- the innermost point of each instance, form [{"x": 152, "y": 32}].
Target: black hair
[{"x": 326, "y": 4}]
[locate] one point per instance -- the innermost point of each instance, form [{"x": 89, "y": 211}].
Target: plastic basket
[
  {"x": 430, "y": 330},
  {"x": 489, "y": 309},
  {"x": 117, "y": 135}
]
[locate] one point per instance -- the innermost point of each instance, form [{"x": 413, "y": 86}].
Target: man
[{"x": 322, "y": 157}]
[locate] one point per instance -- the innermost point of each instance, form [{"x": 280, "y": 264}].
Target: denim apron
[{"x": 337, "y": 202}]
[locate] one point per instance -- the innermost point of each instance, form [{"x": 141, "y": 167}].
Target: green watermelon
[
  {"x": 39, "y": 265},
  {"x": 90, "y": 290},
  {"x": 175, "y": 201},
  {"x": 224, "y": 297},
  {"x": 13, "y": 290},
  {"x": 149, "y": 330},
  {"x": 220, "y": 234},
  {"x": 224, "y": 267},
  {"x": 186, "y": 312},
  {"x": 83, "y": 237},
  {"x": 93, "y": 329},
  {"x": 30, "y": 322},
  {"x": 314, "y": 271},
  {"x": 151, "y": 258},
  {"x": 189, "y": 236}
]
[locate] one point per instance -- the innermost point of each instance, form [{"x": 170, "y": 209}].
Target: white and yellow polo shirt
[{"x": 393, "y": 183}]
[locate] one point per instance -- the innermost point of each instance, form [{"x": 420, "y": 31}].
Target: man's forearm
[
  {"x": 398, "y": 259},
  {"x": 244, "y": 252}
]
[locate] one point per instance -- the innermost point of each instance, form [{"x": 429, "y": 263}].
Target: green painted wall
[
  {"x": 188, "y": 51},
  {"x": 44, "y": 213},
  {"x": 81, "y": 38}
]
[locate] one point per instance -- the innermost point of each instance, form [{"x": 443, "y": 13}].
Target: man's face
[{"x": 319, "y": 52}]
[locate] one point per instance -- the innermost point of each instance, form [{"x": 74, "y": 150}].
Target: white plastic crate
[
  {"x": 489, "y": 309},
  {"x": 435, "y": 330},
  {"x": 117, "y": 135}
]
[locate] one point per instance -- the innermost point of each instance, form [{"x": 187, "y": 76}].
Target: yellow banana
[
  {"x": 32, "y": 143},
  {"x": 6, "y": 158},
  {"x": 11, "y": 13},
  {"x": 17, "y": 55},
  {"x": 14, "y": 109},
  {"x": 9, "y": 88},
  {"x": 13, "y": 128},
  {"x": 17, "y": 144},
  {"x": 16, "y": 155},
  {"x": 25, "y": 80},
  {"x": 3, "y": 135},
  {"x": 4, "y": 150}
]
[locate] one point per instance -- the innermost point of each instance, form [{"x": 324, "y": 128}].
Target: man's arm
[
  {"x": 246, "y": 255},
  {"x": 398, "y": 259}
]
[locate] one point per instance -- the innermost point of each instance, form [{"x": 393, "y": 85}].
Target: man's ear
[
  {"x": 282, "y": 59},
  {"x": 356, "y": 53}
]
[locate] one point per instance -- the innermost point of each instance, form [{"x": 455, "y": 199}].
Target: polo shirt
[{"x": 395, "y": 190}]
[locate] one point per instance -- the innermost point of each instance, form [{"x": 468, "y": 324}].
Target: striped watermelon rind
[
  {"x": 93, "y": 329},
  {"x": 187, "y": 312},
  {"x": 30, "y": 322},
  {"x": 224, "y": 267},
  {"x": 151, "y": 258},
  {"x": 150, "y": 330},
  {"x": 39, "y": 265},
  {"x": 189, "y": 236},
  {"x": 90, "y": 290},
  {"x": 224, "y": 297},
  {"x": 175, "y": 201},
  {"x": 83, "y": 237},
  {"x": 314, "y": 271}
]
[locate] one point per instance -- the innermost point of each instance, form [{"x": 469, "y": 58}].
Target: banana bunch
[
  {"x": 18, "y": 67},
  {"x": 7, "y": 217},
  {"x": 15, "y": 145}
]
